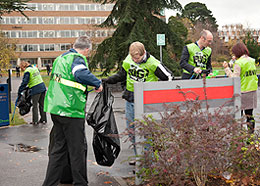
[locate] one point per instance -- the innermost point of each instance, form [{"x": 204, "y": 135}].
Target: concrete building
[
  {"x": 237, "y": 32},
  {"x": 52, "y": 28}
]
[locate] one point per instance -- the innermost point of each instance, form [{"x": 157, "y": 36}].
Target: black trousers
[
  {"x": 249, "y": 119},
  {"x": 38, "y": 99},
  {"x": 67, "y": 148}
]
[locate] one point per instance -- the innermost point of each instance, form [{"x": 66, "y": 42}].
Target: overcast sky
[{"x": 246, "y": 12}]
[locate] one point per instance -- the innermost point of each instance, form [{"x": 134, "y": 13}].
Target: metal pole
[{"x": 161, "y": 53}]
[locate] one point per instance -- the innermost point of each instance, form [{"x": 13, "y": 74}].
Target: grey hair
[{"x": 82, "y": 43}]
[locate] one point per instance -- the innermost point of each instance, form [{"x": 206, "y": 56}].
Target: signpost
[{"x": 161, "y": 42}]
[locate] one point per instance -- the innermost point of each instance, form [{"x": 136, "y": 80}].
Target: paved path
[{"x": 28, "y": 169}]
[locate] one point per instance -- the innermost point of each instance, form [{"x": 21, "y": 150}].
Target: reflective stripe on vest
[{"x": 70, "y": 83}]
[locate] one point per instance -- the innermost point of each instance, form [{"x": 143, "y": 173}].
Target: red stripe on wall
[{"x": 175, "y": 95}]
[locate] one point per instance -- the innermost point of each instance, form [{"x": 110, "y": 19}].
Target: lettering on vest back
[{"x": 250, "y": 73}]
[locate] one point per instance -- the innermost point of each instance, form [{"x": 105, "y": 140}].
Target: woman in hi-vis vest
[{"x": 244, "y": 67}]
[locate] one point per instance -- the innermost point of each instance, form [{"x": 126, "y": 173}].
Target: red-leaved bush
[{"x": 187, "y": 146}]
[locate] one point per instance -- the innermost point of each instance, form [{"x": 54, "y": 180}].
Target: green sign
[{"x": 160, "y": 39}]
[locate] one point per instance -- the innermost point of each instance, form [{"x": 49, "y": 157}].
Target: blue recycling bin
[{"x": 4, "y": 105}]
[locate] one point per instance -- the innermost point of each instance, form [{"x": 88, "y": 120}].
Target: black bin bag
[
  {"x": 24, "y": 102},
  {"x": 106, "y": 142}
]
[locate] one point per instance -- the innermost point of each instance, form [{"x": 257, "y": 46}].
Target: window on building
[
  {"x": 33, "y": 20},
  {"x": 92, "y": 7},
  {"x": 3, "y": 21},
  {"x": 87, "y": 7},
  {"x": 109, "y": 7},
  {"x": 97, "y": 33},
  {"x": 25, "y": 48},
  {"x": 82, "y": 33},
  {"x": 81, "y": 20},
  {"x": 32, "y": 48},
  {"x": 65, "y": 33},
  {"x": 93, "y": 20},
  {"x": 46, "y": 47},
  {"x": 13, "y": 34},
  {"x": 80, "y": 7},
  {"x": 72, "y": 20},
  {"x": 64, "y": 7},
  {"x": 40, "y": 20},
  {"x": 64, "y": 20},
  {"x": 19, "y": 20},
  {"x": 57, "y": 47},
  {"x": 98, "y": 8},
  {"x": 7, "y": 34},
  {"x": 41, "y": 47},
  {"x": 39, "y": 6},
  {"x": 102, "y": 7},
  {"x": 40, "y": 34},
  {"x": 32, "y": 5},
  {"x": 74, "y": 33},
  {"x": 72, "y": 7},
  {"x": 51, "y": 33},
  {"x": 19, "y": 48},
  {"x": 45, "y": 20},
  {"x": 12, "y": 20},
  {"x": 98, "y": 20},
  {"x": 47, "y": 61},
  {"x": 51, "y": 47},
  {"x": 87, "y": 20},
  {"x": 103, "y": 19}
]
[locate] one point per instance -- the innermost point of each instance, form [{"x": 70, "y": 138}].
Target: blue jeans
[{"x": 130, "y": 116}]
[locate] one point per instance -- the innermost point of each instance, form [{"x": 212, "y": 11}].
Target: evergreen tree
[
  {"x": 7, "y": 6},
  {"x": 252, "y": 45},
  {"x": 198, "y": 12},
  {"x": 136, "y": 20}
]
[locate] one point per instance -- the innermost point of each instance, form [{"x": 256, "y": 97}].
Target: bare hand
[
  {"x": 99, "y": 89},
  {"x": 225, "y": 64},
  {"x": 197, "y": 70}
]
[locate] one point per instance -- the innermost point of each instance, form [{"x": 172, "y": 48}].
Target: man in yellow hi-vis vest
[{"x": 197, "y": 56}]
